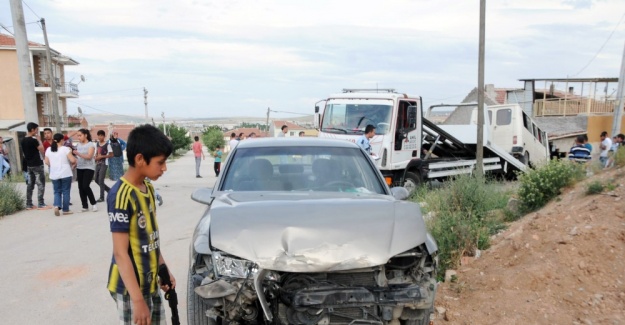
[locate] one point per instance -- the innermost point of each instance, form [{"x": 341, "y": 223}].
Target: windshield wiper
[{"x": 334, "y": 129}]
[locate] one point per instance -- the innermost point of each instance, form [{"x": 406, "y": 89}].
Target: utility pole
[
  {"x": 145, "y": 101},
  {"x": 55, "y": 96},
  {"x": 479, "y": 168},
  {"x": 29, "y": 99},
  {"x": 164, "y": 125},
  {"x": 618, "y": 109},
  {"x": 268, "y": 110}
]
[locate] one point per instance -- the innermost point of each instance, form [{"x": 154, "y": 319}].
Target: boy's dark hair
[
  {"x": 196, "y": 138},
  {"x": 232, "y": 135},
  {"x": 604, "y": 134},
  {"x": 101, "y": 132},
  {"x": 621, "y": 136},
  {"x": 283, "y": 127},
  {"x": 148, "y": 141},
  {"x": 31, "y": 126},
  {"x": 47, "y": 129},
  {"x": 580, "y": 139},
  {"x": 369, "y": 128},
  {"x": 218, "y": 147}
]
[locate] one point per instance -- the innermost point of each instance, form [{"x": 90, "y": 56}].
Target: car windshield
[
  {"x": 353, "y": 118},
  {"x": 303, "y": 168}
]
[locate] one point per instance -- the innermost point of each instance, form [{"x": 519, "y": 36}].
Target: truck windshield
[{"x": 353, "y": 118}]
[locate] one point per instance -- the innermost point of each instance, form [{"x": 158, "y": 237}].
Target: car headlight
[{"x": 233, "y": 267}]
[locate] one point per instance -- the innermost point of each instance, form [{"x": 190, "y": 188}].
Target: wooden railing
[{"x": 572, "y": 106}]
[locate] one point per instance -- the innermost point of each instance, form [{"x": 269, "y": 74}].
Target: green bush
[
  {"x": 212, "y": 137},
  {"x": 619, "y": 157},
  {"x": 540, "y": 185},
  {"x": 594, "y": 187},
  {"x": 11, "y": 199},
  {"x": 464, "y": 214}
]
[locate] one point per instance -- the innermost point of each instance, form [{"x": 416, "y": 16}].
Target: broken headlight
[{"x": 233, "y": 267}]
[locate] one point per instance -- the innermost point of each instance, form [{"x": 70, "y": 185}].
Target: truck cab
[{"x": 397, "y": 118}]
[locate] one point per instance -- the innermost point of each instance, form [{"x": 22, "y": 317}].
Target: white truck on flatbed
[{"x": 412, "y": 149}]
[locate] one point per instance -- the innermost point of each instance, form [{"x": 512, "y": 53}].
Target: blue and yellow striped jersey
[{"x": 133, "y": 212}]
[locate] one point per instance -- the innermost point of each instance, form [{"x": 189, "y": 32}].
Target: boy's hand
[
  {"x": 141, "y": 313},
  {"x": 173, "y": 282}
]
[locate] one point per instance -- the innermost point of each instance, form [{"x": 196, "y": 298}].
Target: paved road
[{"x": 54, "y": 269}]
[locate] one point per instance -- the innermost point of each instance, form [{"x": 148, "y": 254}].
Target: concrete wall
[
  {"x": 600, "y": 123},
  {"x": 11, "y": 105}
]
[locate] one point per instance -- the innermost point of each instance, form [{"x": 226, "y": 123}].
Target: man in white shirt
[
  {"x": 365, "y": 140},
  {"x": 233, "y": 141},
  {"x": 283, "y": 130},
  {"x": 606, "y": 144}
]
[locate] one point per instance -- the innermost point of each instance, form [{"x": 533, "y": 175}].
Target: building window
[{"x": 291, "y": 133}]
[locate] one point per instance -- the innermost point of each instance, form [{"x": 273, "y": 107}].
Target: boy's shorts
[{"x": 155, "y": 305}]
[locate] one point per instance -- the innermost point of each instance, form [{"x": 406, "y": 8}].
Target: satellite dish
[
  {"x": 79, "y": 110},
  {"x": 82, "y": 78}
]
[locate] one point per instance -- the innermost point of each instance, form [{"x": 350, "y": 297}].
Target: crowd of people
[
  {"x": 83, "y": 162},
  {"x": 581, "y": 151}
]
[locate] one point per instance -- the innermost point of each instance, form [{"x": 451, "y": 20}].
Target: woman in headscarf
[{"x": 116, "y": 163}]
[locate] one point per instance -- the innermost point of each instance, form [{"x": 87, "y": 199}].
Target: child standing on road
[
  {"x": 132, "y": 215},
  {"x": 217, "y": 167}
]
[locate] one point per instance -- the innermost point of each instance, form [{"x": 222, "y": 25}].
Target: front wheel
[
  {"x": 196, "y": 308},
  {"x": 412, "y": 181}
]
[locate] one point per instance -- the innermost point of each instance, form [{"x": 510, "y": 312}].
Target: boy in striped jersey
[{"x": 132, "y": 278}]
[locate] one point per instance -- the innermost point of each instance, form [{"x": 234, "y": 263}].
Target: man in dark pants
[
  {"x": 103, "y": 153},
  {"x": 33, "y": 153}
]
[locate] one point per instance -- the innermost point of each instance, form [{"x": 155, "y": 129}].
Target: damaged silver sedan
[{"x": 305, "y": 231}]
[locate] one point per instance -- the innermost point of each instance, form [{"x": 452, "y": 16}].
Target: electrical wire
[
  {"x": 31, "y": 9},
  {"x": 101, "y": 110},
  {"x": 111, "y": 91},
  {"x": 601, "y": 48}
]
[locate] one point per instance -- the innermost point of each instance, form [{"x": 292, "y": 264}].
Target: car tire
[
  {"x": 425, "y": 320},
  {"x": 196, "y": 308},
  {"x": 412, "y": 181}
]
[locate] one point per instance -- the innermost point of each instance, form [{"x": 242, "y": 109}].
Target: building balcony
[
  {"x": 67, "y": 90},
  {"x": 63, "y": 89},
  {"x": 573, "y": 106}
]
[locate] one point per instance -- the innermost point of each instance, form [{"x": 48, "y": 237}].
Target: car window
[
  {"x": 504, "y": 116},
  {"x": 301, "y": 169}
]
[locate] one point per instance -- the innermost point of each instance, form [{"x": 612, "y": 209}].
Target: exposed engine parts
[{"x": 398, "y": 292}]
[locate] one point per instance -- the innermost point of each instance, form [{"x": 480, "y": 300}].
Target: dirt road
[{"x": 54, "y": 269}]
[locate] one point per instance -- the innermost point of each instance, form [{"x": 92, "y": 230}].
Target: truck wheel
[
  {"x": 412, "y": 181},
  {"x": 196, "y": 308}
]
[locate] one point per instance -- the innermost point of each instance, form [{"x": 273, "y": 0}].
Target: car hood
[{"x": 314, "y": 232}]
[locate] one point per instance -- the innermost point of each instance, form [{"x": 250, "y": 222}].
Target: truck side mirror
[{"x": 316, "y": 109}]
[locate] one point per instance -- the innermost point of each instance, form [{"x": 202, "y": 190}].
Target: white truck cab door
[{"x": 407, "y": 133}]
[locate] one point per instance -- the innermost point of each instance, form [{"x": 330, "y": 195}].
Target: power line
[
  {"x": 101, "y": 110},
  {"x": 31, "y": 9},
  {"x": 111, "y": 91},
  {"x": 601, "y": 48}
]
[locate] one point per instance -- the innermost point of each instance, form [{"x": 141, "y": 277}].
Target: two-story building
[{"x": 12, "y": 120}]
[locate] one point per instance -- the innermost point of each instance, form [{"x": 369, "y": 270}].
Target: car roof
[{"x": 295, "y": 141}]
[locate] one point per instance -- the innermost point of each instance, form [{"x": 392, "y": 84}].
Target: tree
[
  {"x": 178, "y": 136},
  {"x": 212, "y": 137}
]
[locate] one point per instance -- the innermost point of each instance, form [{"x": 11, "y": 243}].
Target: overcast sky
[{"x": 218, "y": 58}]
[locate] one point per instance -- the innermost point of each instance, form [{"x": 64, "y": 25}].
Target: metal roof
[{"x": 573, "y": 79}]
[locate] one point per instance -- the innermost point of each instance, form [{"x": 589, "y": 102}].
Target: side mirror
[
  {"x": 400, "y": 193},
  {"x": 317, "y": 109},
  {"x": 202, "y": 195}
]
